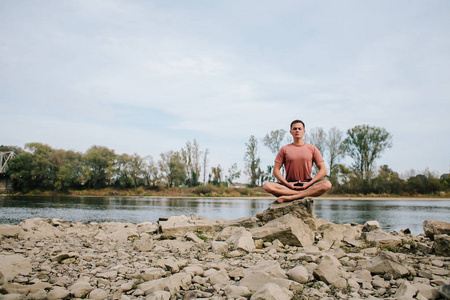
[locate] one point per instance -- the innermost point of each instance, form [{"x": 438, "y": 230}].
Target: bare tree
[
  {"x": 317, "y": 137},
  {"x": 335, "y": 146},
  {"x": 274, "y": 139},
  {"x": 252, "y": 161},
  {"x": 205, "y": 164}
]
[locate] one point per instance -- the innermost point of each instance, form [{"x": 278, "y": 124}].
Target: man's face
[{"x": 297, "y": 130}]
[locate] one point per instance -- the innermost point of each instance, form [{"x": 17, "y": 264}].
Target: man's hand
[{"x": 298, "y": 185}]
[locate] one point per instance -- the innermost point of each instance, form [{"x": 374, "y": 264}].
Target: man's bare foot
[{"x": 283, "y": 199}]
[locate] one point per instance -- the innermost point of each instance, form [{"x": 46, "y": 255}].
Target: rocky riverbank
[{"x": 282, "y": 253}]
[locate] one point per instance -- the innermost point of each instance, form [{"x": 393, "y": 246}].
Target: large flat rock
[{"x": 302, "y": 209}]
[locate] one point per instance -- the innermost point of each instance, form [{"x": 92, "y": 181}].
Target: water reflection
[{"x": 392, "y": 215}]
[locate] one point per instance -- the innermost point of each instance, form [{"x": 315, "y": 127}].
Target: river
[{"x": 392, "y": 214}]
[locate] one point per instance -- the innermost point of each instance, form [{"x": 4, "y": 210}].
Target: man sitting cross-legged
[{"x": 298, "y": 159}]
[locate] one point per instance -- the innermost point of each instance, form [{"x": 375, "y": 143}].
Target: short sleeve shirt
[{"x": 298, "y": 161}]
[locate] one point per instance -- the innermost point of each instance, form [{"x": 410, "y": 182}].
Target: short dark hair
[{"x": 297, "y": 121}]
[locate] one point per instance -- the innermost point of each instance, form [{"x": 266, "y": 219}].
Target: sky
[{"x": 145, "y": 77}]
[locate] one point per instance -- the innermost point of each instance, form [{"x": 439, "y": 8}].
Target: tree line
[{"x": 39, "y": 166}]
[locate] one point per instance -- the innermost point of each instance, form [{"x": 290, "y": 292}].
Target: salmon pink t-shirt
[{"x": 298, "y": 161}]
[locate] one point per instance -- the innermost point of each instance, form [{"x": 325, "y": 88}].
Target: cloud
[{"x": 149, "y": 76}]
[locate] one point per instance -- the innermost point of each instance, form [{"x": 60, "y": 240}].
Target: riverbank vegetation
[{"x": 41, "y": 169}]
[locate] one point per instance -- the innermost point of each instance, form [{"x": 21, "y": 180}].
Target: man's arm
[
  {"x": 277, "y": 173},
  {"x": 321, "y": 174}
]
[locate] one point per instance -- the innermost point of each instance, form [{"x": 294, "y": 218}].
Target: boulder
[
  {"x": 80, "y": 289},
  {"x": 442, "y": 245},
  {"x": 147, "y": 227},
  {"x": 302, "y": 209},
  {"x": 13, "y": 265},
  {"x": 288, "y": 229},
  {"x": 241, "y": 240},
  {"x": 179, "y": 226},
  {"x": 299, "y": 274},
  {"x": 432, "y": 228},
  {"x": 219, "y": 247},
  {"x": 387, "y": 263},
  {"x": 371, "y": 225},
  {"x": 39, "y": 228},
  {"x": 171, "y": 284},
  {"x": 271, "y": 291},
  {"x": 333, "y": 234},
  {"x": 328, "y": 270},
  {"x": 8, "y": 231},
  {"x": 234, "y": 291},
  {"x": 58, "y": 293},
  {"x": 381, "y": 239},
  {"x": 406, "y": 290},
  {"x": 264, "y": 272}
]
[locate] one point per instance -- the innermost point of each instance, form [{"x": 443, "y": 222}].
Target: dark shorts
[{"x": 301, "y": 184}]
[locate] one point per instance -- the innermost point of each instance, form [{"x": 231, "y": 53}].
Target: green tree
[
  {"x": 252, "y": 160},
  {"x": 99, "y": 166},
  {"x": 137, "y": 166},
  {"x": 172, "y": 168},
  {"x": 233, "y": 173},
  {"x": 216, "y": 174},
  {"x": 192, "y": 158},
  {"x": 365, "y": 144},
  {"x": 151, "y": 172},
  {"x": 44, "y": 171},
  {"x": 387, "y": 182},
  {"x": 69, "y": 174},
  {"x": 17, "y": 150},
  {"x": 19, "y": 171},
  {"x": 122, "y": 169},
  {"x": 423, "y": 184}
]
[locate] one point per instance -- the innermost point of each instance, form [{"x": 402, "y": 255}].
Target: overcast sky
[{"x": 147, "y": 76}]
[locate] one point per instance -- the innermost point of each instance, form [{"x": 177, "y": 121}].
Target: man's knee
[
  {"x": 326, "y": 185},
  {"x": 268, "y": 186}
]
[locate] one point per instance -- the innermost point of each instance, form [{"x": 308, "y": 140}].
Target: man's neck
[{"x": 298, "y": 142}]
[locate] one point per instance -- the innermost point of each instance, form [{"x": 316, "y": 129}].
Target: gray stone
[
  {"x": 158, "y": 295},
  {"x": 299, "y": 274},
  {"x": 271, "y": 291},
  {"x": 302, "y": 209},
  {"x": 9, "y": 231},
  {"x": 80, "y": 289},
  {"x": 328, "y": 270},
  {"x": 371, "y": 225},
  {"x": 58, "y": 293},
  {"x": 234, "y": 291},
  {"x": 13, "y": 265},
  {"x": 289, "y": 229},
  {"x": 98, "y": 294},
  {"x": 432, "y": 228},
  {"x": 219, "y": 247},
  {"x": 386, "y": 263},
  {"x": 242, "y": 240},
  {"x": 381, "y": 238},
  {"x": 442, "y": 245}
]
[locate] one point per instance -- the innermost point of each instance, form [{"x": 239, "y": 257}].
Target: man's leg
[
  {"x": 285, "y": 194},
  {"x": 277, "y": 189}
]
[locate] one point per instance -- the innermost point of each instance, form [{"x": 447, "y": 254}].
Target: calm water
[{"x": 393, "y": 215}]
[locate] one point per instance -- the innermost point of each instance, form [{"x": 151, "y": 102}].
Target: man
[{"x": 298, "y": 159}]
